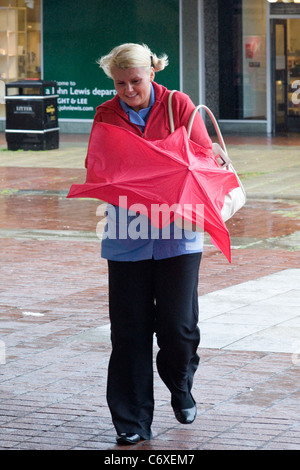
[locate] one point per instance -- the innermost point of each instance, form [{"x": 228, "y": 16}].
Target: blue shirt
[
  {"x": 130, "y": 237},
  {"x": 141, "y": 117}
]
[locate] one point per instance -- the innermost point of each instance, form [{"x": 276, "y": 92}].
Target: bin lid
[{"x": 31, "y": 83}]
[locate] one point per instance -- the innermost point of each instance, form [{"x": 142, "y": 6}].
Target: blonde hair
[{"x": 132, "y": 55}]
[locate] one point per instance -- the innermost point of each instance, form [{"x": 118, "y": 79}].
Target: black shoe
[
  {"x": 125, "y": 439},
  {"x": 185, "y": 416}
]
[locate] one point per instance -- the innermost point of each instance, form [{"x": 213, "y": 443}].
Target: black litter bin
[{"x": 31, "y": 115}]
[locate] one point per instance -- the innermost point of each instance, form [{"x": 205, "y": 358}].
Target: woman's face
[{"x": 133, "y": 86}]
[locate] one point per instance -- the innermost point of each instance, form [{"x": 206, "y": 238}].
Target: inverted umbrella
[{"x": 174, "y": 172}]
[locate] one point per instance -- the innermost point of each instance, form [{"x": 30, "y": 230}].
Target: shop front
[
  {"x": 240, "y": 57},
  {"x": 61, "y": 41},
  {"x": 259, "y": 65}
]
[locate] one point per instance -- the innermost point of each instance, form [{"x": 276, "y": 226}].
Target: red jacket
[{"x": 157, "y": 126}]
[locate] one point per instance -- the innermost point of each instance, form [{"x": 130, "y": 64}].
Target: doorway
[{"x": 286, "y": 74}]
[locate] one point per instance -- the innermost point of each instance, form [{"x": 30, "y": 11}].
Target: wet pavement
[{"x": 54, "y": 327}]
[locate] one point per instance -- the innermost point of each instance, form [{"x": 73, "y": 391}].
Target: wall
[
  {"x": 254, "y": 59},
  {"x": 212, "y": 58},
  {"x": 190, "y": 49},
  {"x": 77, "y": 33},
  {"x": 200, "y": 52}
]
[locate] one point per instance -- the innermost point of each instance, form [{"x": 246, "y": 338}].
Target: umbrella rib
[
  {"x": 169, "y": 169},
  {"x": 140, "y": 179}
]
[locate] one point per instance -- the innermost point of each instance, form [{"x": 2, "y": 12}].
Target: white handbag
[{"x": 236, "y": 198}]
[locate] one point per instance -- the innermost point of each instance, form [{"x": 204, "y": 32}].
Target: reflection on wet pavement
[
  {"x": 262, "y": 224},
  {"x": 259, "y": 221},
  {"x": 47, "y": 212},
  {"x": 34, "y": 199},
  {"x": 47, "y": 179}
]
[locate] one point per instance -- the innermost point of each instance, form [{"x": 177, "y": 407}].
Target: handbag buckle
[
  {"x": 221, "y": 161},
  {"x": 221, "y": 156}
]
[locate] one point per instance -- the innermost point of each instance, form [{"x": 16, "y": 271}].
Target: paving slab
[
  {"x": 258, "y": 315},
  {"x": 54, "y": 326}
]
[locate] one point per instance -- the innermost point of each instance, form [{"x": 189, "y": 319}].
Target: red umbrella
[{"x": 158, "y": 175}]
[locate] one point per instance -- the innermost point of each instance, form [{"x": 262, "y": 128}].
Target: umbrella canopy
[{"x": 174, "y": 172}]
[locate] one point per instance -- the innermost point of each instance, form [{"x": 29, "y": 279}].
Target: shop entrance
[{"x": 286, "y": 75}]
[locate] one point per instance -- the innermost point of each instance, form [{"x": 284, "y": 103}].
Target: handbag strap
[
  {"x": 170, "y": 110},
  {"x": 223, "y": 159},
  {"x": 191, "y": 120}
]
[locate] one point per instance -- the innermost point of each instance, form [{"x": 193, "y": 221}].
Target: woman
[{"x": 152, "y": 282}]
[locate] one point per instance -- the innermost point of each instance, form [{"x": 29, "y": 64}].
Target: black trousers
[{"x": 145, "y": 297}]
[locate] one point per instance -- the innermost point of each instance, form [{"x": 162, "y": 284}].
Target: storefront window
[
  {"x": 242, "y": 59},
  {"x": 20, "y": 42},
  {"x": 286, "y": 74},
  {"x": 293, "y": 72}
]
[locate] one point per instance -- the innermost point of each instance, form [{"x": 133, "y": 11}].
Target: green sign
[{"x": 76, "y": 33}]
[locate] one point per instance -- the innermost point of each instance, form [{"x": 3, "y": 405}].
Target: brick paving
[{"x": 53, "y": 289}]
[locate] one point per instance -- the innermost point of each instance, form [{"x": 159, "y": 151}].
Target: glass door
[
  {"x": 293, "y": 75},
  {"x": 279, "y": 76},
  {"x": 286, "y": 75}
]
